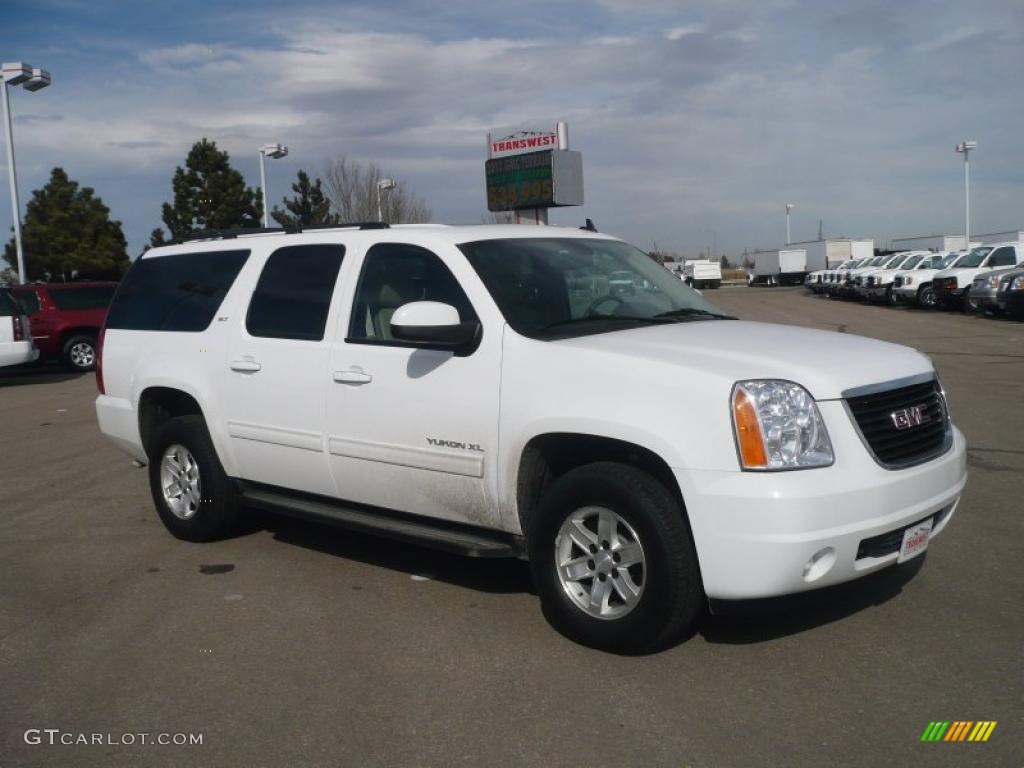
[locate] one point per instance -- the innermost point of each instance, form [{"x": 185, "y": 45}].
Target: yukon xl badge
[
  {"x": 457, "y": 444},
  {"x": 914, "y": 416}
]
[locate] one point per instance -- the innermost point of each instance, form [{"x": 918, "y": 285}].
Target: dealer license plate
[{"x": 915, "y": 540}]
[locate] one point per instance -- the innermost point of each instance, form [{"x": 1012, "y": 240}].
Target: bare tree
[{"x": 352, "y": 189}]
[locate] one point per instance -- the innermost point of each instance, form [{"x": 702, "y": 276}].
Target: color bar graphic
[{"x": 958, "y": 730}]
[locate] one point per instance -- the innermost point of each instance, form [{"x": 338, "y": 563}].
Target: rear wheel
[
  {"x": 79, "y": 353},
  {"x": 613, "y": 560},
  {"x": 193, "y": 496}
]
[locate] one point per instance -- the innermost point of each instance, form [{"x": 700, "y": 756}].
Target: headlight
[
  {"x": 1017, "y": 284},
  {"x": 778, "y": 426},
  {"x": 993, "y": 281},
  {"x": 908, "y": 280}
]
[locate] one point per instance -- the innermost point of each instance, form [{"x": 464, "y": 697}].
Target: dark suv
[{"x": 66, "y": 319}]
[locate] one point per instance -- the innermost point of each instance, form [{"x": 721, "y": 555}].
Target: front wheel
[
  {"x": 613, "y": 560},
  {"x": 971, "y": 305},
  {"x": 926, "y": 297},
  {"x": 193, "y": 496}
]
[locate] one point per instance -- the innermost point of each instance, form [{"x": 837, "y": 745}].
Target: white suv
[
  {"x": 16, "y": 345},
  {"x": 487, "y": 390}
]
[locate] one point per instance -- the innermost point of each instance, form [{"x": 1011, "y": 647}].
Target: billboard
[
  {"x": 546, "y": 179},
  {"x": 517, "y": 140}
]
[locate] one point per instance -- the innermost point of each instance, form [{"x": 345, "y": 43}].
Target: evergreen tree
[
  {"x": 67, "y": 233},
  {"x": 208, "y": 194},
  {"x": 308, "y": 208}
]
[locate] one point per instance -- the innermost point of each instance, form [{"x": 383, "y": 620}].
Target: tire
[
  {"x": 926, "y": 297},
  {"x": 671, "y": 595},
  {"x": 211, "y": 512},
  {"x": 890, "y": 297},
  {"x": 79, "y": 353},
  {"x": 971, "y": 306}
]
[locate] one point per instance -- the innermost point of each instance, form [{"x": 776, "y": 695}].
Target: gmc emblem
[{"x": 914, "y": 416}]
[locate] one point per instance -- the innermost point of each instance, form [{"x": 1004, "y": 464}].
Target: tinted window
[
  {"x": 87, "y": 297},
  {"x": 28, "y": 300},
  {"x": 394, "y": 275},
  {"x": 1003, "y": 257},
  {"x": 294, "y": 292},
  {"x": 8, "y": 306},
  {"x": 174, "y": 293}
]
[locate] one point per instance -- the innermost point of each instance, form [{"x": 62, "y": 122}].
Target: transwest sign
[{"x": 515, "y": 141}]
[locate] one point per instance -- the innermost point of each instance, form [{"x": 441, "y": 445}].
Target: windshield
[
  {"x": 895, "y": 261},
  {"x": 912, "y": 262},
  {"x": 975, "y": 257},
  {"x": 556, "y": 287}
]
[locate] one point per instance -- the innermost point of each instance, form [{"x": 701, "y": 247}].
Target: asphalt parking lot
[{"x": 296, "y": 644}]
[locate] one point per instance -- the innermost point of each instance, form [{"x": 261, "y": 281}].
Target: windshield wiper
[
  {"x": 691, "y": 313},
  {"x": 657, "y": 320}
]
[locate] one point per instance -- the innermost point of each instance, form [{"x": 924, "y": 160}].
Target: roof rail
[
  {"x": 350, "y": 225},
  {"x": 227, "y": 234}
]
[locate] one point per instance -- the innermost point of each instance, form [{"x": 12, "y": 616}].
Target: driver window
[{"x": 395, "y": 274}]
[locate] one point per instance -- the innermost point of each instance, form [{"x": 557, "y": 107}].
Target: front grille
[
  {"x": 898, "y": 282},
  {"x": 889, "y": 542},
  {"x": 945, "y": 284},
  {"x": 893, "y": 447}
]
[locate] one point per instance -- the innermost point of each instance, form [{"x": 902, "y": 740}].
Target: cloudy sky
[{"x": 697, "y": 120}]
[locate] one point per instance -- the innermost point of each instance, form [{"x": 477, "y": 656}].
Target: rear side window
[
  {"x": 294, "y": 292},
  {"x": 87, "y": 297},
  {"x": 8, "y": 306},
  {"x": 28, "y": 300},
  {"x": 174, "y": 293}
]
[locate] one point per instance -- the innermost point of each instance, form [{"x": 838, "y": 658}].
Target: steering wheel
[{"x": 602, "y": 300}]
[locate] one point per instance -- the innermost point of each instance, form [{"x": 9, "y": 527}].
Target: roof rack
[{"x": 227, "y": 234}]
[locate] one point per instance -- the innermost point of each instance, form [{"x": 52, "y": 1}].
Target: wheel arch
[
  {"x": 549, "y": 455},
  {"x": 158, "y": 404}
]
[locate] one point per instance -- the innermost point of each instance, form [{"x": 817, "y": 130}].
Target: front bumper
[
  {"x": 985, "y": 297},
  {"x": 17, "y": 353},
  {"x": 757, "y": 533},
  {"x": 877, "y": 291},
  {"x": 1011, "y": 302}
]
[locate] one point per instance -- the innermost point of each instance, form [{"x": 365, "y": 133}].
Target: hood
[{"x": 825, "y": 362}]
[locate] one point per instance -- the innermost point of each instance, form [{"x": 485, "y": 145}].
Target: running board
[{"x": 438, "y": 534}]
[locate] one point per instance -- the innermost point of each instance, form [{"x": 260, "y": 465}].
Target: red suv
[{"x": 66, "y": 319}]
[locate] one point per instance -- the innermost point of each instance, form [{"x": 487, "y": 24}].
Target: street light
[
  {"x": 965, "y": 148},
  {"x": 274, "y": 151},
  {"x": 32, "y": 79},
  {"x": 789, "y": 207},
  {"x": 382, "y": 185}
]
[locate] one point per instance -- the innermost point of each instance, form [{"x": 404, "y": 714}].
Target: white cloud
[{"x": 678, "y": 33}]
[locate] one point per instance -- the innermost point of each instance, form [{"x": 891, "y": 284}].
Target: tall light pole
[
  {"x": 789, "y": 207},
  {"x": 32, "y": 79},
  {"x": 965, "y": 148},
  {"x": 274, "y": 151},
  {"x": 382, "y": 185}
]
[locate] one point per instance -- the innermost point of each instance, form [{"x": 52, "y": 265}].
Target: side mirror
[{"x": 433, "y": 325}]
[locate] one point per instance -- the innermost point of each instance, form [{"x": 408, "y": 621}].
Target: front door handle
[
  {"x": 352, "y": 377},
  {"x": 245, "y": 366}
]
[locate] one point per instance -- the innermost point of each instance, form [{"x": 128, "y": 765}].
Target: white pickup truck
[{"x": 486, "y": 390}]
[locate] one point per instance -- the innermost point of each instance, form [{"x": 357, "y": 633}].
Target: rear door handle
[
  {"x": 245, "y": 366},
  {"x": 352, "y": 377}
]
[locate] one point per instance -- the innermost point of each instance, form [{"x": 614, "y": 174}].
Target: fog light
[{"x": 820, "y": 564}]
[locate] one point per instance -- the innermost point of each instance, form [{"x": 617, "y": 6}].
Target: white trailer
[
  {"x": 936, "y": 243},
  {"x": 788, "y": 266},
  {"x": 1014, "y": 236},
  {"x": 834, "y": 251},
  {"x": 702, "y": 273}
]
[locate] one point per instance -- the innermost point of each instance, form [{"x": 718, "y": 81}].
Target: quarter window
[
  {"x": 86, "y": 297},
  {"x": 395, "y": 274},
  {"x": 294, "y": 292},
  {"x": 179, "y": 292},
  {"x": 28, "y": 300}
]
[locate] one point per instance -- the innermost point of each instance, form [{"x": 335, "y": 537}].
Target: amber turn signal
[{"x": 749, "y": 438}]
